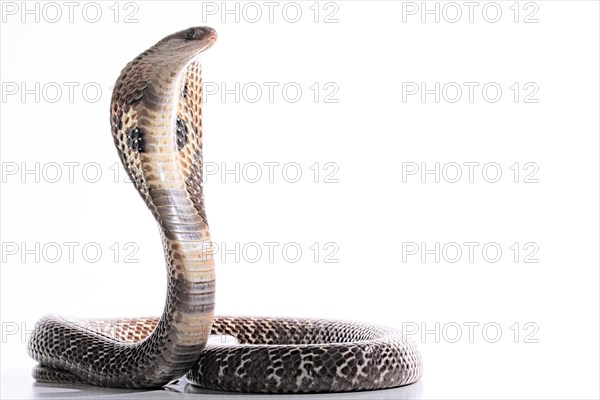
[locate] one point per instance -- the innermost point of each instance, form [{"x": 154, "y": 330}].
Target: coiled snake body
[{"x": 156, "y": 118}]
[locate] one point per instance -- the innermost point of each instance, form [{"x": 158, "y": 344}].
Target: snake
[{"x": 156, "y": 120}]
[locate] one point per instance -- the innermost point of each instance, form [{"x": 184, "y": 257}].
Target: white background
[{"x": 372, "y": 54}]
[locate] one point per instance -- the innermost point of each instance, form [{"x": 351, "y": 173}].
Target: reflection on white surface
[{"x": 18, "y": 384}]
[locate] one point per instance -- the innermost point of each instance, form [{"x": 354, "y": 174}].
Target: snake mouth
[{"x": 208, "y": 44}]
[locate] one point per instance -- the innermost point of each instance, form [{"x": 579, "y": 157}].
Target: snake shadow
[
  {"x": 182, "y": 388},
  {"x": 414, "y": 391}
]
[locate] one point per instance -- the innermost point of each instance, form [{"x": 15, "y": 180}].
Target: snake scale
[{"x": 156, "y": 119}]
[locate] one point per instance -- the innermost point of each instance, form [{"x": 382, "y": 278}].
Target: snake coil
[{"x": 156, "y": 119}]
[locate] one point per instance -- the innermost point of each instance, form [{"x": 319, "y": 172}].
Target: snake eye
[{"x": 190, "y": 34}]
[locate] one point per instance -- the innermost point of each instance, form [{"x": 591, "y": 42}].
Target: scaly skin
[
  {"x": 156, "y": 119},
  {"x": 144, "y": 119}
]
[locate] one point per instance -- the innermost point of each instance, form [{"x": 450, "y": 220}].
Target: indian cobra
[{"x": 156, "y": 119}]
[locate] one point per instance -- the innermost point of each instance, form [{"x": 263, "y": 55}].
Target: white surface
[
  {"x": 17, "y": 385},
  {"x": 368, "y": 134}
]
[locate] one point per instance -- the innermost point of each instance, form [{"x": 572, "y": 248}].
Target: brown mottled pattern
[
  {"x": 156, "y": 120},
  {"x": 150, "y": 352},
  {"x": 294, "y": 355}
]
